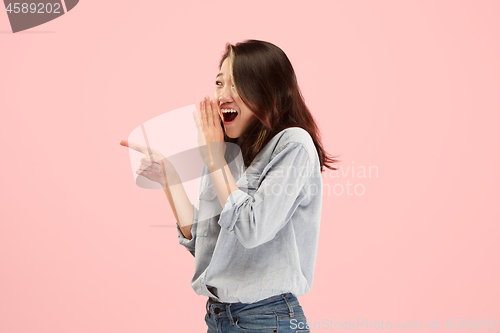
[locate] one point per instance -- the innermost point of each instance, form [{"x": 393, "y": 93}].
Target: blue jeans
[{"x": 277, "y": 314}]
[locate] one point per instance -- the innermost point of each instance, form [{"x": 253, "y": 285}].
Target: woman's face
[{"x": 235, "y": 123}]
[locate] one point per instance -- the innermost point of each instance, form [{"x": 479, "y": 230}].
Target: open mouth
[{"x": 229, "y": 115}]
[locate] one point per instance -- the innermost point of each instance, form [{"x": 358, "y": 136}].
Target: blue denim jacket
[{"x": 264, "y": 241}]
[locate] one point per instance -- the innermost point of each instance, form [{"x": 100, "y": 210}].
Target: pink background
[{"x": 410, "y": 88}]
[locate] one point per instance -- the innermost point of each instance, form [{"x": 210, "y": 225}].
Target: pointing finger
[{"x": 134, "y": 146}]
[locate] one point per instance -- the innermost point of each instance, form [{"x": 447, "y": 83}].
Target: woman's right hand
[{"x": 154, "y": 166}]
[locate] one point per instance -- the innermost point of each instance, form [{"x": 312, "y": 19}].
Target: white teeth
[{"x": 228, "y": 111}]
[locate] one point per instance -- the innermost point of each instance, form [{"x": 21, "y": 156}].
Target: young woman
[{"x": 255, "y": 234}]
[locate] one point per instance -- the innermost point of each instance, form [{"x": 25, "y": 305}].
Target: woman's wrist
[
  {"x": 218, "y": 162},
  {"x": 170, "y": 175}
]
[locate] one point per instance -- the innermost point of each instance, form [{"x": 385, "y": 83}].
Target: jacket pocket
[{"x": 206, "y": 211}]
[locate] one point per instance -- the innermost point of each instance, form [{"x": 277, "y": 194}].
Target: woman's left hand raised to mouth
[{"x": 210, "y": 131}]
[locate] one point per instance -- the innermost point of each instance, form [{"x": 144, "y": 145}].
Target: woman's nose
[{"x": 225, "y": 96}]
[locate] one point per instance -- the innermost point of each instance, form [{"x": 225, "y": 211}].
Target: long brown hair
[{"x": 265, "y": 81}]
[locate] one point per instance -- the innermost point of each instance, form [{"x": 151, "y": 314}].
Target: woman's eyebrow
[{"x": 220, "y": 74}]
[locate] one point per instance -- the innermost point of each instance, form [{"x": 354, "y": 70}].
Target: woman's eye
[{"x": 217, "y": 83}]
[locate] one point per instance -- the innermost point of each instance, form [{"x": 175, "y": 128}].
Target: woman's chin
[{"x": 230, "y": 135}]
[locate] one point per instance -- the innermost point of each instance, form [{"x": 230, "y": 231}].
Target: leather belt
[{"x": 215, "y": 301}]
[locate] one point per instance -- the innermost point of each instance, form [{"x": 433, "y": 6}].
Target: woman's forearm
[
  {"x": 223, "y": 181},
  {"x": 180, "y": 204}
]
